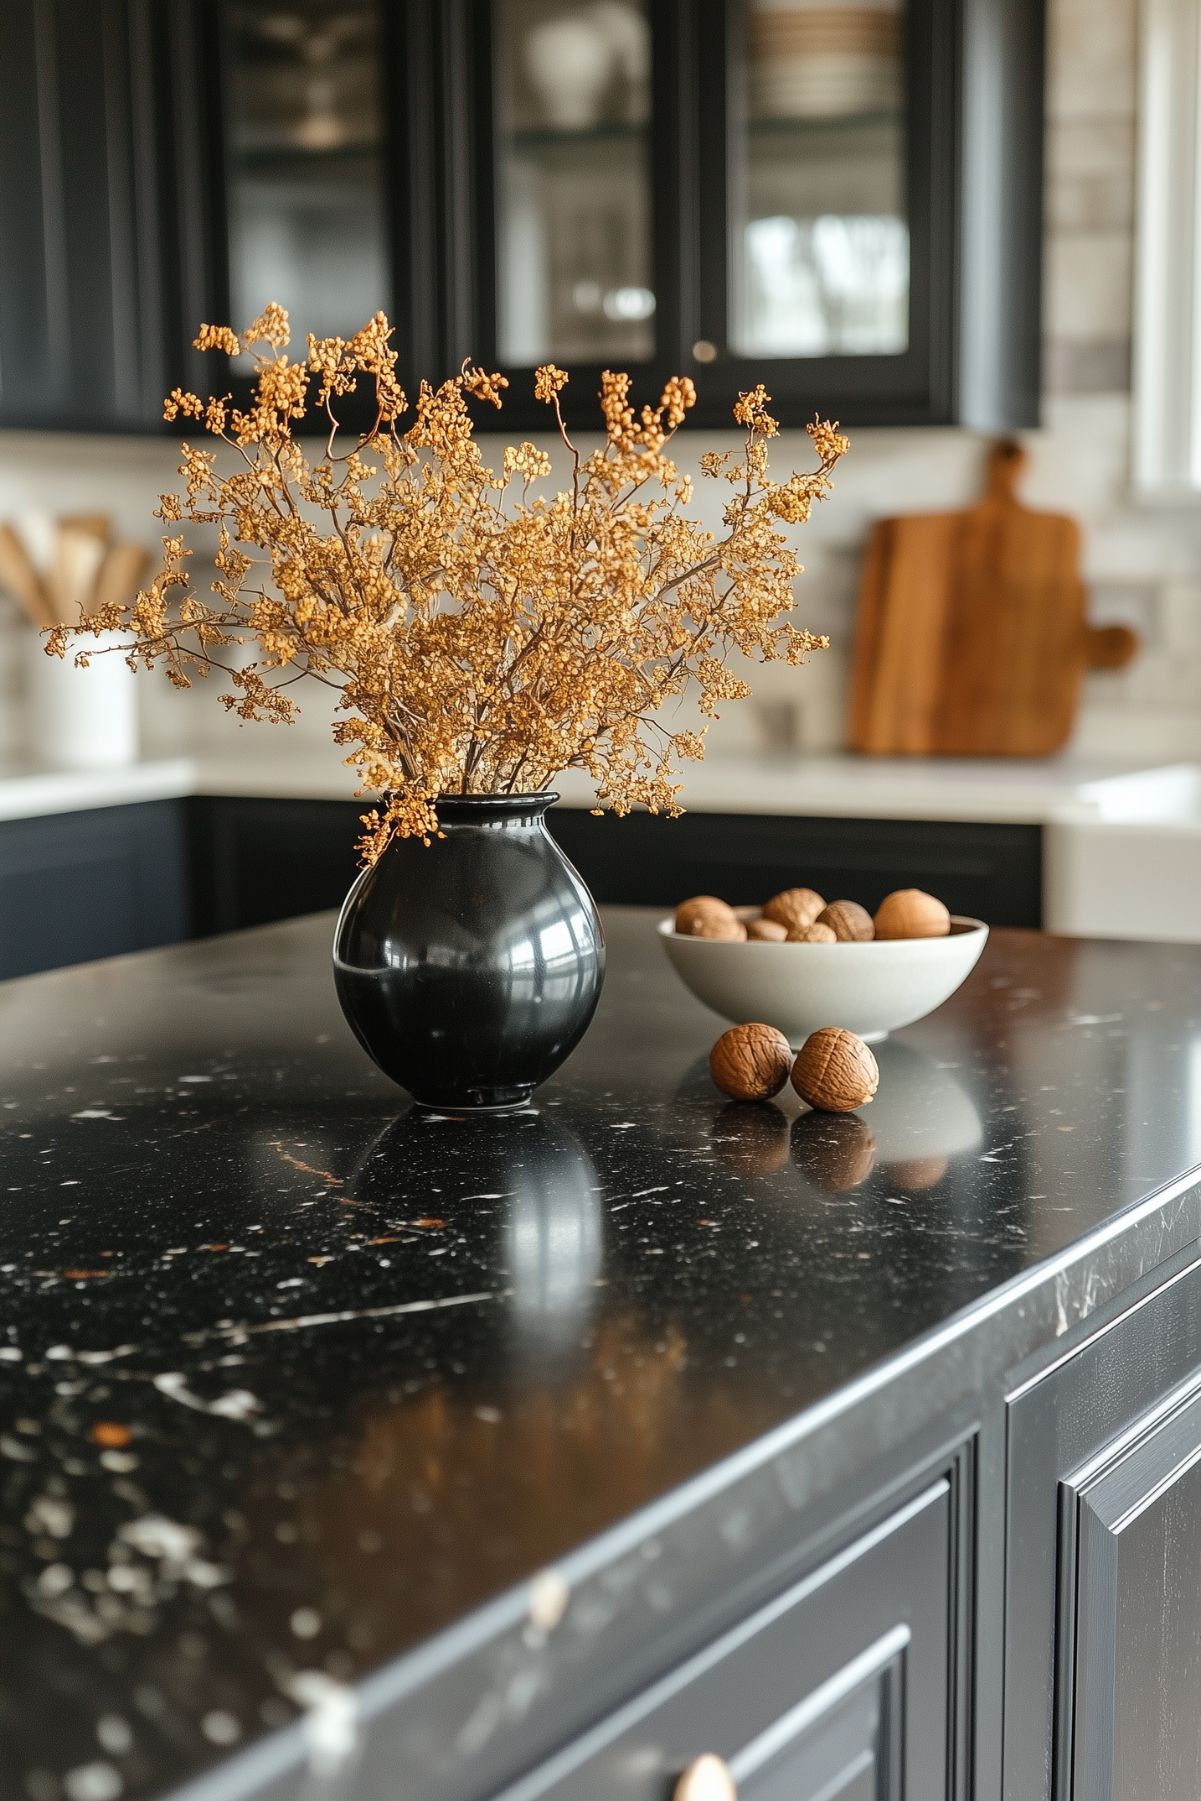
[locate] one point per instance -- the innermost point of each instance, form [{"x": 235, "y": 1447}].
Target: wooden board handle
[
  {"x": 1006, "y": 461},
  {"x": 1110, "y": 646}
]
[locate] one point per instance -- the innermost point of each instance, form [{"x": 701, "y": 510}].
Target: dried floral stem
[{"x": 480, "y": 629}]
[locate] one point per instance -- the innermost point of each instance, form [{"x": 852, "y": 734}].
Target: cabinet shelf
[
  {"x": 823, "y": 125},
  {"x": 554, "y": 138},
  {"x": 276, "y": 158}
]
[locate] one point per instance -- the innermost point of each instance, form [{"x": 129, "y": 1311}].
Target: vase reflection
[{"x": 529, "y": 1193}]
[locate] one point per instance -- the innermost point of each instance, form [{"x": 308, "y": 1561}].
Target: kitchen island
[{"x": 345, "y": 1450}]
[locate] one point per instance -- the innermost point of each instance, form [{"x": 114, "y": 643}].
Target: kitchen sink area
[{"x": 1125, "y": 861}]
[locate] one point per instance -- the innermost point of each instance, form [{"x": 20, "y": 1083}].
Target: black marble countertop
[{"x": 304, "y": 1396}]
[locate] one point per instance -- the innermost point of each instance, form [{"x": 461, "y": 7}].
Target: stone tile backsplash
[{"x": 1142, "y": 564}]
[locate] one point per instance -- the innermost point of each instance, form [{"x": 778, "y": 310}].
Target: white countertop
[{"x": 836, "y": 786}]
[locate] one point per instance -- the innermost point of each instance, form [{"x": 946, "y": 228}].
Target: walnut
[
  {"x": 910, "y": 913},
  {"x": 849, "y": 922},
  {"x": 835, "y": 1071},
  {"x": 836, "y": 1152},
  {"x": 766, "y": 931},
  {"x": 794, "y": 907},
  {"x": 817, "y": 933},
  {"x": 751, "y": 1062},
  {"x": 704, "y": 916}
]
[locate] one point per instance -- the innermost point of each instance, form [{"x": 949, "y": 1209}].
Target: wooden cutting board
[{"x": 971, "y": 637}]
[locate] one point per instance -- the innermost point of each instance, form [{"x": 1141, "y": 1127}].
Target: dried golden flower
[
  {"x": 750, "y": 409},
  {"x": 217, "y": 337},
  {"x": 271, "y": 327},
  {"x": 484, "y": 386},
  {"x": 549, "y": 381},
  {"x": 479, "y": 636}
]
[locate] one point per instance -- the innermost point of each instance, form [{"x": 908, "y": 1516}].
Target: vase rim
[{"x": 496, "y": 803}]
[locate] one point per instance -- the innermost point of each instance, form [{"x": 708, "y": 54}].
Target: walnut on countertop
[
  {"x": 751, "y": 1062},
  {"x": 835, "y": 1071}
]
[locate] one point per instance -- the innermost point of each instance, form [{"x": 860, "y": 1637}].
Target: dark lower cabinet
[
  {"x": 83, "y": 885},
  {"x": 1103, "y": 1635},
  {"x": 260, "y": 860},
  {"x": 1137, "y": 1728},
  {"x": 839, "y": 1690},
  {"x": 992, "y": 872},
  {"x": 77, "y": 886},
  {"x": 256, "y": 861}
]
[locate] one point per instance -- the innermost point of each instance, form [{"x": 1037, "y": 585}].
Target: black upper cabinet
[
  {"x": 847, "y": 209},
  {"x": 309, "y": 165},
  {"x": 85, "y": 256}
]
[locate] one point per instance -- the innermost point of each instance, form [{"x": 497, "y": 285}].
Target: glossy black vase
[{"x": 469, "y": 968}]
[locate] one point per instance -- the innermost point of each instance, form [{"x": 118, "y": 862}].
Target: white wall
[{"x": 1143, "y": 565}]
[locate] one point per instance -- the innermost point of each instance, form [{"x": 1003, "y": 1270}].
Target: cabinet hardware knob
[
  {"x": 707, "y": 1778},
  {"x": 704, "y": 351}
]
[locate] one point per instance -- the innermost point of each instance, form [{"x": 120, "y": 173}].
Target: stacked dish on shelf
[{"x": 823, "y": 60}]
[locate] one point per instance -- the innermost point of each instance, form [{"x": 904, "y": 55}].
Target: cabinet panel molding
[
  {"x": 1137, "y": 1687},
  {"x": 1076, "y": 1426}
]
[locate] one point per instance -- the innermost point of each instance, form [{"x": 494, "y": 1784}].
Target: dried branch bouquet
[{"x": 481, "y": 634}]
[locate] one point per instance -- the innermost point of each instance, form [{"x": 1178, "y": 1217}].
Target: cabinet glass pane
[
  {"x": 305, "y": 121},
  {"x": 574, "y": 279},
  {"x": 820, "y": 237}
]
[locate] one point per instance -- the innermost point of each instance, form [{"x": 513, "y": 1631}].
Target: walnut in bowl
[{"x": 872, "y": 987}]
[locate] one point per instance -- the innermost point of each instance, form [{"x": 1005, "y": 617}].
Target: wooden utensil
[
  {"x": 97, "y": 525},
  {"x": 971, "y": 638},
  {"x": 74, "y": 566},
  {"x": 20, "y": 577},
  {"x": 120, "y": 575}
]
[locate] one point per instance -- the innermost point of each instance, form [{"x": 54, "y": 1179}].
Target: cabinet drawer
[{"x": 836, "y": 1691}]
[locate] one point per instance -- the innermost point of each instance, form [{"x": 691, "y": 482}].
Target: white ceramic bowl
[{"x": 871, "y": 989}]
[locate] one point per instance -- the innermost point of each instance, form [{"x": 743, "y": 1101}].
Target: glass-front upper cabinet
[
  {"x": 305, "y": 190},
  {"x": 839, "y": 198},
  {"x": 314, "y": 172},
  {"x": 575, "y": 275},
  {"x": 572, "y": 251},
  {"x": 828, "y": 274},
  {"x": 819, "y": 216}
]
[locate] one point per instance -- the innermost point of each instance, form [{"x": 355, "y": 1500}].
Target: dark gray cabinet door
[
  {"x": 84, "y": 280},
  {"x": 837, "y": 1691},
  {"x": 77, "y": 886},
  {"x": 1103, "y": 1563},
  {"x": 1138, "y": 1636}
]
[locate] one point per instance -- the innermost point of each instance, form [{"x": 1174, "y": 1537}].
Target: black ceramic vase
[{"x": 469, "y": 968}]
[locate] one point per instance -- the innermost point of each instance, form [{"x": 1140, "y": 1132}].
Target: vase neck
[{"x": 493, "y": 809}]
